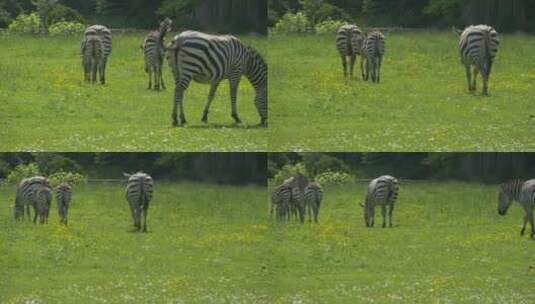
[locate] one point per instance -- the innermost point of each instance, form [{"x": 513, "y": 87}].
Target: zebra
[
  {"x": 373, "y": 50},
  {"x": 63, "y": 199},
  {"x": 91, "y": 51},
  {"x": 211, "y": 59},
  {"x": 139, "y": 194},
  {"x": 478, "y": 46},
  {"x": 154, "y": 50},
  {"x": 382, "y": 191},
  {"x": 349, "y": 40},
  {"x": 104, "y": 34},
  {"x": 34, "y": 192},
  {"x": 522, "y": 192},
  {"x": 280, "y": 201},
  {"x": 313, "y": 195}
]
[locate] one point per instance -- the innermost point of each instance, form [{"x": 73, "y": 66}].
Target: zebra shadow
[{"x": 226, "y": 126}]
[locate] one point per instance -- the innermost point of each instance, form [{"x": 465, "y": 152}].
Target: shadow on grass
[{"x": 223, "y": 126}]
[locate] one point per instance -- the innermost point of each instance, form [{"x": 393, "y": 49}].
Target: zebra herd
[
  {"x": 36, "y": 192},
  {"x": 478, "y": 46},
  {"x": 296, "y": 193},
  {"x": 191, "y": 55}
]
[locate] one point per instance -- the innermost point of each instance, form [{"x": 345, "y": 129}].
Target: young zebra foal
[
  {"x": 280, "y": 201},
  {"x": 523, "y": 193},
  {"x": 383, "y": 192},
  {"x": 63, "y": 198},
  {"x": 349, "y": 40},
  {"x": 139, "y": 195},
  {"x": 478, "y": 46},
  {"x": 154, "y": 51},
  {"x": 210, "y": 59},
  {"x": 96, "y": 47},
  {"x": 313, "y": 196},
  {"x": 373, "y": 50},
  {"x": 34, "y": 192}
]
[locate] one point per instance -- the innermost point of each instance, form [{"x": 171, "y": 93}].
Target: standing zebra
[
  {"x": 349, "y": 40},
  {"x": 139, "y": 195},
  {"x": 211, "y": 59},
  {"x": 35, "y": 192},
  {"x": 104, "y": 35},
  {"x": 63, "y": 198},
  {"x": 373, "y": 50},
  {"x": 383, "y": 192},
  {"x": 313, "y": 196},
  {"x": 478, "y": 47},
  {"x": 522, "y": 192},
  {"x": 280, "y": 201},
  {"x": 154, "y": 50},
  {"x": 91, "y": 51}
]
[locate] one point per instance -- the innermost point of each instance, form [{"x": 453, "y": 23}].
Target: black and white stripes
[
  {"x": 313, "y": 196},
  {"x": 210, "y": 59},
  {"x": 373, "y": 50},
  {"x": 153, "y": 51},
  {"x": 63, "y": 199},
  {"x": 139, "y": 194},
  {"x": 382, "y": 192},
  {"x": 349, "y": 40},
  {"x": 34, "y": 192},
  {"x": 524, "y": 193},
  {"x": 478, "y": 47},
  {"x": 90, "y": 48}
]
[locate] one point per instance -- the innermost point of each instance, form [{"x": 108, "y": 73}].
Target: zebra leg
[
  {"x": 390, "y": 214},
  {"x": 156, "y": 78},
  {"x": 211, "y": 95},
  {"x": 367, "y": 67},
  {"x": 161, "y": 77},
  {"x": 485, "y": 83},
  {"x": 352, "y": 65},
  {"x": 179, "y": 94},
  {"x": 362, "y": 67},
  {"x": 383, "y": 214},
  {"x": 145, "y": 210},
  {"x": 149, "y": 71},
  {"x": 344, "y": 65},
  {"x": 530, "y": 219},
  {"x": 103, "y": 70},
  {"x": 379, "y": 62},
  {"x": 94, "y": 68},
  {"x": 474, "y": 79},
  {"x": 35, "y": 215},
  {"x": 234, "y": 80},
  {"x": 468, "y": 77},
  {"x": 523, "y": 230},
  {"x": 138, "y": 218}
]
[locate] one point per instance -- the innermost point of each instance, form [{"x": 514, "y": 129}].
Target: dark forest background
[
  {"x": 231, "y": 168},
  {"x": 479, "y": 167},
  {"x": 505, "y": 15},
  {"x": 234, "y": 16}
]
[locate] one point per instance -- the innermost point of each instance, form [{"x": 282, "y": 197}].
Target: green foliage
[
  {"x": 50, "y": 163},
  {"x": 316, "y": 163},
  {"x": 330, "y": 178},
  {"x": 328, "y": 26},
  {"x": 64, "y": 28},
  {"x": 25, "y": 24},
  {"x": 319, "y": 10},
  {"x": 64, "y": 13},
  {"x": 180, "y": 11},
  {"x": 22, "y": 171},
  {"x": 448, "y": 11},
  {"x": 72, "y": 178},
  {"x": 9, "y": 9},
  {"x": 292, "y": 24},
  {"x": 288, "y": 171}
]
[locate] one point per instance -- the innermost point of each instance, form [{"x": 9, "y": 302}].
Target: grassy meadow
[
  {"x": 203, "y": 246},
  {"x": 421, "y": 104},
  {"x": 45, "y": 104}
]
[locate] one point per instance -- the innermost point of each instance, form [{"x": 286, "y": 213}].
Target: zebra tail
[{"x": 487, "y": 51}]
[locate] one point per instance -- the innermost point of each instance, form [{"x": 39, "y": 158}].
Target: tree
[{"x": 43, "y": 9}]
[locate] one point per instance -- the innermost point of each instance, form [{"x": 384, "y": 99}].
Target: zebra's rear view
[
  {"x": 373, "y": 50},
  {"x": 349, "y": 40},
  {"x": 383, "y": 192},
  {"x": 154, "y": 51},
  {"x": 103, "y": 34},
  {"x": 34, "y": 192},
  {"x": 63, "y": 199},
  {"x": 478, "y": 47},
  {"x": 210, "y": 59},
  {"x": 524, "y": 193},
  {"x": 139, "y": 195},
  {"x": 313, "y": 197},
  {"x": 91, "y": 50}
]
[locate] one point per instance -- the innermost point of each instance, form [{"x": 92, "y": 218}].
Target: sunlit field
[
  {"x": 421, "y": 104},
  {"x": 45, "y": 105},
  {"x": 448, "y": 245}
]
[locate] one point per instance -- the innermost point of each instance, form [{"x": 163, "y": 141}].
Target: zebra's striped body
[
  {"x": 524, "y": 193},
  {"x": 63, "y": 199},
  {"x": 280, "y": 201},
  {"x": 373, "y": 50},
  {"x": 104, "y": 35},
  {"x": 211, "y": 59},
  {"x": 33, "y": 192},
  {"x": 91, "y": 50},
  {"x": 349, "y": 40},
  {"x": 154, "y": 51},
  {"x": 382, "y": 192},
  {"x": 313, "y": 196},
  {"x": 478, "y": 47},
  {"x": 139, "y": 195}
]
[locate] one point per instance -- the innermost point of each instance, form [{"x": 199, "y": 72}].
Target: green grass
[
  {"x": 202, "y": 247},
  {"x": 422, "y": 103},
  {"x": 46, "y": 106}
]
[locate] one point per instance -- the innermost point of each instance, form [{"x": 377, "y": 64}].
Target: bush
[
  {"x": 22, "y": 171},
  {"x": 330, "y": 178},
  {"x": 25, "y": 24},
  {"x": 72, "y": 178},
  {"x": 328, "y": 26},
  {"x": 288, "y": 171},
  {"x": 51, "y": 162},
  {"x": 292, "y": 24},
  {"x": 64, "y": 13},
  {"x": 64, "y": 28}
]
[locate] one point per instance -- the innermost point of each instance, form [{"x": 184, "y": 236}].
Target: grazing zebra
[
  {"x": 139, "y": 195},
  {"x": 383, "y": 192},
  {"x": 91, "y": 50},
  {"x": 63, "y": 198},
  {"x": 104, "y": 34},
  {"x": 35, "y": 192},
  {"x": 154, "y": 50},
  {"x": 373, "y": 50},
  {"x": 522, "y": 192},
  {"x": 478, "y": 47},
  {"x": 349, "y": 40},
  {"x": 280, "y": 201},
  {"x": 211, "y": 59},
  {"x": 313, "y": 196}
]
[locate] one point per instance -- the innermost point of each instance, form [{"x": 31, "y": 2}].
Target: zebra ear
[
  {"x": 126, "y": 174},
  {"x": 457, "y": 31}
]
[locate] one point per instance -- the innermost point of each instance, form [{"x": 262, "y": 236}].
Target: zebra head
[
  {"x": 504, "y": 201},
  {"x": 165, "y": 25},
  {"x": 508, "y": 193},
  {"x": 368, "y": 212}
]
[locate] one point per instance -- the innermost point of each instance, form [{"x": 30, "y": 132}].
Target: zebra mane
[{"x": 512, "y": 187}]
